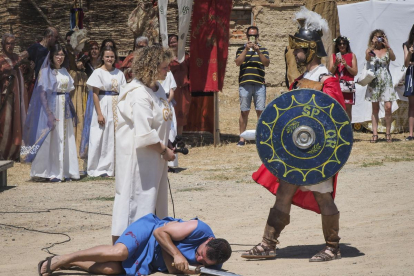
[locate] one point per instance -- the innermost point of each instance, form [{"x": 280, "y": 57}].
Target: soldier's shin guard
[
  {"x": 330, "y": 227},
  {"x": 276, "y": 222}
]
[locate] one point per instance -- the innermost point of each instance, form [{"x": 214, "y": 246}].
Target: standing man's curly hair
[
  {"x": 146, "y": 61},
  {"x": 218, "y": 250}
]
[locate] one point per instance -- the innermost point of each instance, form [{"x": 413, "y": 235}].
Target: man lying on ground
[{"x": 148, "y": 245}]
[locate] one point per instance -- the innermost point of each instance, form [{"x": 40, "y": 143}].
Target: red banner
[{"x": 209, "y": 44}]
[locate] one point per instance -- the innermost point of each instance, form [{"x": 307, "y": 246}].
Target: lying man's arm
[{"x": 174, "y": 231}]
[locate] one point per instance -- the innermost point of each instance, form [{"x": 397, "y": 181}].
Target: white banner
[
  {"x": 162, "y": 7},
  {"x": 185, "y": 8}
]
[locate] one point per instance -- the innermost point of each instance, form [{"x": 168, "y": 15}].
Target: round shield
[{"x": 304, "y": 137}]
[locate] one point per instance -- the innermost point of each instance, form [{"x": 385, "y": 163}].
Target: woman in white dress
[
  {"x": 169, "y": 85},
  {"x": 144, "y": 123},
  {"x": 106, "y": 82},
  {"x": 49, "y": 139}
]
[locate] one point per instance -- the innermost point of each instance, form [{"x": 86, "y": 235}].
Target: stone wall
[
  {"x": 103, "y": 19},
  {"x": 107, "y": 19},
  {"x": 274, "y": 19}
]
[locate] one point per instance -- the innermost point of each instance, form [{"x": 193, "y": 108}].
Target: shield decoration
[{"x": 304, "y": 137}]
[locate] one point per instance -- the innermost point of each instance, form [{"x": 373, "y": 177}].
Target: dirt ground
[{"x": 374, "y": 197}]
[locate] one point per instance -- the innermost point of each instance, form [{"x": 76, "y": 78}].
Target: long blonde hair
[{"x": 146, "y": 61}]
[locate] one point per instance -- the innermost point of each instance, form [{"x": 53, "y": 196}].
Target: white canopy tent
[{"x": 357, "y": 21}]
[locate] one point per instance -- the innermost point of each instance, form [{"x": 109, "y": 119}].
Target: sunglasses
[{"x": 344, "y": 44}]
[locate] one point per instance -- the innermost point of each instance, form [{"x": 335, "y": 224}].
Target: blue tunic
[{"x": 144, "y": 252}]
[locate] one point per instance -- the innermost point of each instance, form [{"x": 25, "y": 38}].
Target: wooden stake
[{"x": 216, "y": 120}]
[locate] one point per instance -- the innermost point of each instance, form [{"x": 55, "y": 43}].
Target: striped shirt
[{"x": 252, "y": 69}]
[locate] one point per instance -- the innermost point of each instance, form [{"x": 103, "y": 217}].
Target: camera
[{"x": 380, "y": 39}]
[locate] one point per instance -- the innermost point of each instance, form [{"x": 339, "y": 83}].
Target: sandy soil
[{"x": 374, "y": 196}]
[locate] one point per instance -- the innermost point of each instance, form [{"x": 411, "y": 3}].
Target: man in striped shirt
[{"x": 252, "y": 58}]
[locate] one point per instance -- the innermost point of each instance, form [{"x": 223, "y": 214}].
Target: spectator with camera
[
  {"x": 379, "y": 54},
  {"x": 343, "y": 64},
  {"x": 252, "y": 59},
  {"x": 409, "y": 80}
]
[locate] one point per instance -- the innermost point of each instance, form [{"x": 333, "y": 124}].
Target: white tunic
[
  {"x": 101, "y": 155},
  {"x": 58, "y": 157},
  {"x": 144, "y": 118},
  {"x": 167, "y": 84}
]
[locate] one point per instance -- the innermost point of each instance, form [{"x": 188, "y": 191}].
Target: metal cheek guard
[{"x": 297, "y": 43}]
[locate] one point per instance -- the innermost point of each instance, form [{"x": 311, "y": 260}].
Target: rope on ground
[{"x": 46, "y": 249}]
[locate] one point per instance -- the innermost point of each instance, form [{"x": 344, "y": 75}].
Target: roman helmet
[{"x": 309, "y": 34}]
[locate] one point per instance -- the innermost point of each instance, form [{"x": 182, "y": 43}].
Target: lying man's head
[{"x": 213, "y": 251}]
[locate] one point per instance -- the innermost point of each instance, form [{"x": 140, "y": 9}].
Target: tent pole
[{"x": 216, "y": 120}]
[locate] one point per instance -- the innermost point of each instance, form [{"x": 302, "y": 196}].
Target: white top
[
  {"x": 316, "y": 72},
  {"x": 106, "y": 81},
  {"x": 64, "y": 80},
  {"x": 169, "y": 83}
]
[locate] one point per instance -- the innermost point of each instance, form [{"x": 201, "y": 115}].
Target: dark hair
[
  {"x": 344, "y": 39},
  {"x": 49, "y": 32},
  {"x": 108, "y": 48},
  {"x": 171, "y": 36},
  {"x": 410, "y": 41},
  {"x": 53, "y": 51},
  {"x": 90, "y": 44},
  {"x": 113, "y": 43},
  {"x": 218, "y": 250},
  {"x": 70, "y": 33},
  {"x": 254, "y": 28}
]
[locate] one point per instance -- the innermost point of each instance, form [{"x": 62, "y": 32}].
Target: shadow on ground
[{"x": 307, "y": 251}]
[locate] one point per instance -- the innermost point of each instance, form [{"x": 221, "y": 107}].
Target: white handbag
[
  {"x": 367, "y": 75},
  {"x": 347, "y": 86}
]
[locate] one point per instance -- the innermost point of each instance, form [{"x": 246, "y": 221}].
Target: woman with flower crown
[{"x": 343, "y": 64}]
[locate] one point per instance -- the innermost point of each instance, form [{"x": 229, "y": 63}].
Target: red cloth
[
  {"x": 11, "y": 116},
  {"x": 305, "y": 200},
  {"x": 341, "y": 72},
  {"x": 201, "y": 114},
  {"x": 127, "y": 63},
  {"x": 182, "y": 94},
  {"x": 209, "y": 44}
]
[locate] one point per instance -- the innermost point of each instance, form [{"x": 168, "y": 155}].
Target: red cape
[{"x": 305, "y": 200}]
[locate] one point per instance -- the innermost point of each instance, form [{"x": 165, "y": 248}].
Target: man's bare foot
[
  {"x": 261, "y": 251},
  {"x": 49, "y": 265}
]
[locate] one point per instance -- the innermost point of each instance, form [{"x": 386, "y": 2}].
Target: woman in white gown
[
  {"x": 142, "y": 150},
  {"x": 105, "y": 82},
  {"x": 169, "y": 86},
  {"x": 51, "y": 112}
]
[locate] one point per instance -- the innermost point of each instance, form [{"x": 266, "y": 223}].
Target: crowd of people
[
  {"x": 252, "y": 58},
  {"x": 128, "y": 110}
]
